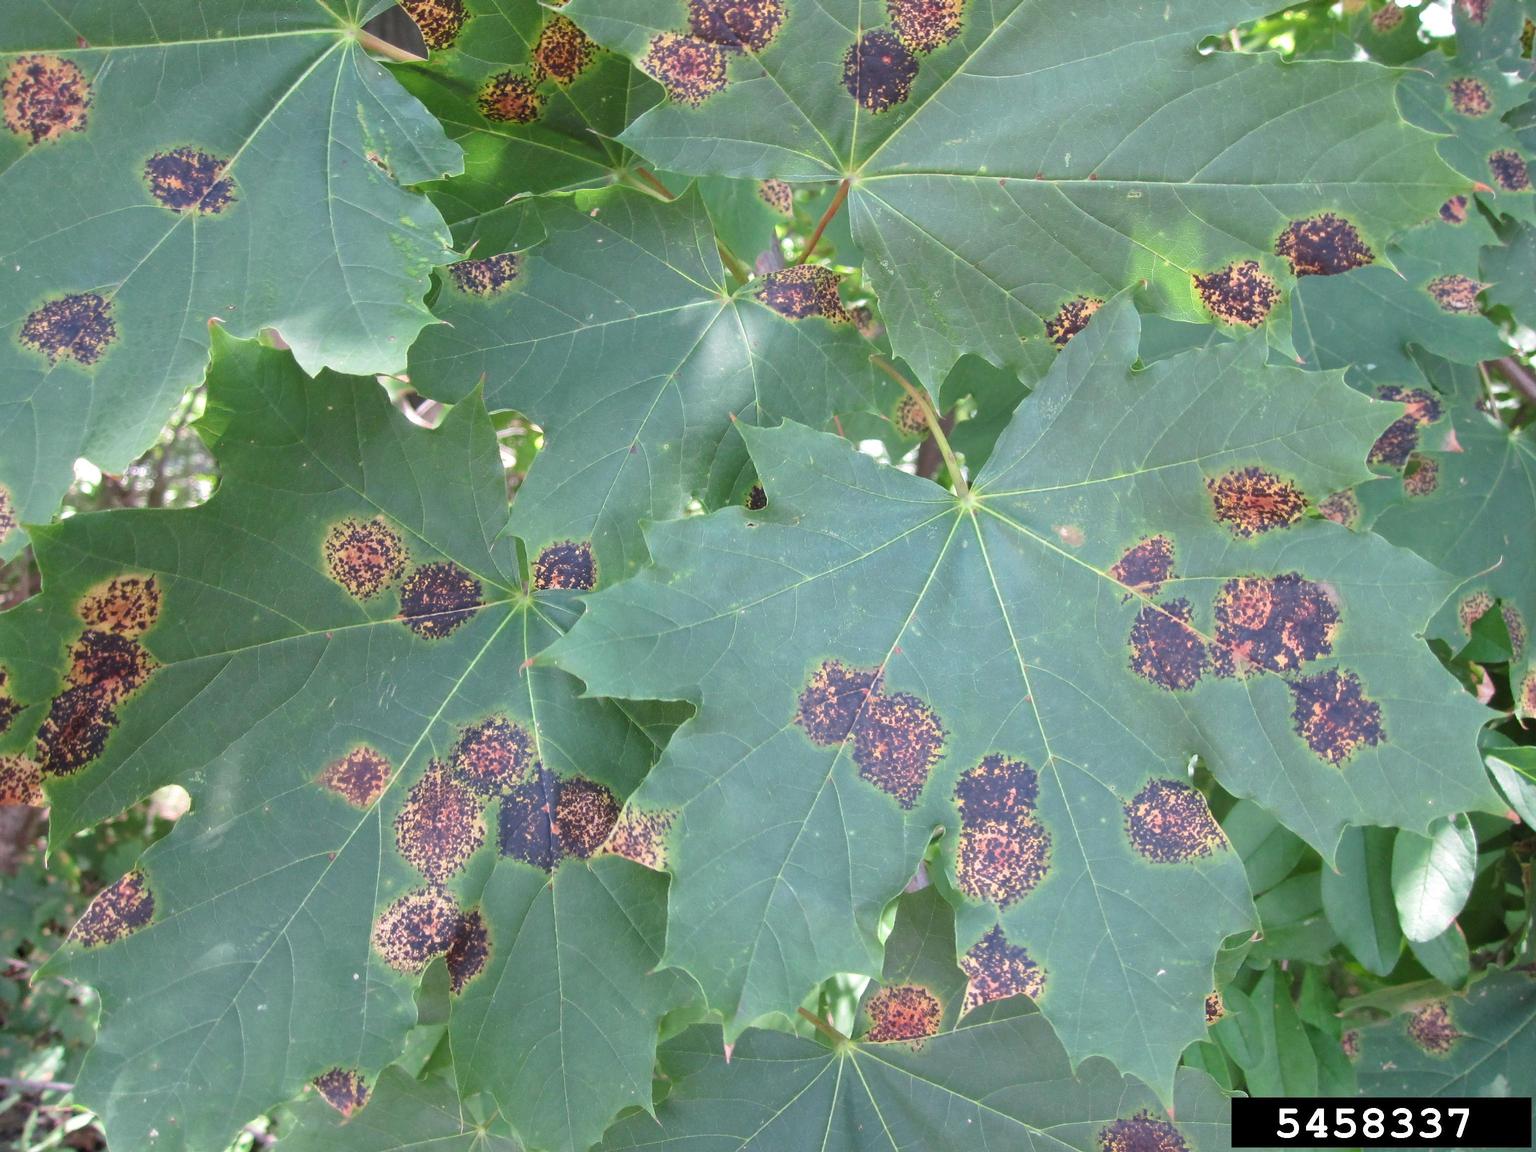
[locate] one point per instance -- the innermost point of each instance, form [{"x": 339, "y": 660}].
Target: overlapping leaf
[
  {"x": 161, "y": 167},
  {"x": 401, "y": 1114},
  {"x": 333, "y": 657},
  {"x": 618, "y": 333},
  {"x": 1032, "y": 667},
  {"x": 1007, "y": 161}
]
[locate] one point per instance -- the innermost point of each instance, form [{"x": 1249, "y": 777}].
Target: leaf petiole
[{"x": 935, "y": 428}]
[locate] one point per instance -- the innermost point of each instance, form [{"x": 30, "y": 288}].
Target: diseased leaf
[
  {"x": 1032, "y": 666},
  {"x": 1432, "y": 876},
  {"x": 400, "y": 1114},
  {"x": 1139, "y": 158},
  {"x": 168, "y": 164},
  {"x": 334, "y": 657}
]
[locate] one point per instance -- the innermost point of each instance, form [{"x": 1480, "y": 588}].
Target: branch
[
  {"x": 384, "y": 48},
  {"x": 1517, "y": 374},
  {"x": 826, "y": 218}
]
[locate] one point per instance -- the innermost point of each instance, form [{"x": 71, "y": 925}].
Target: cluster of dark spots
[
  {"x": 1240, "y": 293},
  {"x": 470, "y": 949},
  {"x": 1454, "y": 210},
  {"x": 563, "y": 50},
  {"x": 1071, "y": 318},
  {"x": 832, "y": 700},
  {"x": 75, "y": 730},
  {"x": 189, "y": 180},
  {"x": 344, "y": 1089},
  {"x": 585, "y": 815},
  {"x": 1349, "y": 1044},
  {"x": 1165, "y": 648},
  {"x": 1251, "y": 501},
  {"x": 527, "y": 830},
  {"x": 996, "y": 970},
  {"x": 778, "y": 195},
  {"x": 1471, "y": 610},
  {"x": 804, "y": 290},
  {"x": 568, "y": 565},
  {"x": 1510, "y": 171},
  {"x": 44, "y": 97},
  {"x": 1334, "y": 716},
  {"x": 437, "y": 598},
  {"x": 903, "y": 1012},
  {"x": 440, "y": 21},
  {"x": 21, "y": 782},
  {"x": 1527, "y": 36},
  {"x": 415, "y": 928},
  {"x": 747, "y": 25},
  {"x": 77, "y": 327},
  {"x": 1003, "y": 852},
  {"x": 1455, "y": 293},
  {"x": 1422, "y": 475},
  {"x": 8, "y": 706},
  {"x": 1525, "y": 702},
  {"x": 1145, "y": 565},
  {"x": 1514, "y": 624},
  {"x": 118, "y": 910},
  {"x": 897, "y": 739},
  {"x": 440, "y": 826},
  {"x": 127, "y": 605},
  {"x": 1341, "y": 507},
  {"x": 485, "y": 277},
  {"x": 364, "y": 556},
  {"x": 115, "y": 665},
  {"x": 1401, "y": 437},
  {"x": 878, "y": 70},
  {"x": 493, "y": 756},
  {"x": 1470, "y": 96},
  {"x": 510, "y": 98},
  {"x": 1272, "y": 622},
  {"x": 1324, "y": 245},
  {"x": 926, "y": 25},
  {"x": 863, "y": 317},
  {"x": 1143, "y": 1132},
  {"x": 1475, "y": 10},
  {"x": 689, "y": 68},
  {"x": 1169, "y": 821},
  {"x": 7, "y": 513},
  {"x": 1432, "y": 1029},
  {"x": 1215, "y": 1008},
  {"x": 641, "y": 837},
  {"x": 911, "y": 420},
  {"x": 1387, "y": 18},
  {"x": 359, "y": 777},
  {"x": 757, "y": 498}
]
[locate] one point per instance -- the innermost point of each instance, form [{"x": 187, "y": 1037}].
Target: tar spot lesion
[
  {"x": 75, "y": 730},
  {"x": 585, "y": 815},
  {"x": 563, "y": 50},
  {"x": 1274, "y": 623},
  {"x": 1473, "y": 608},
  {"x": 996, "y": 969},
  {"x": 1510, "y": 171},
  {"x": 1455, "y": 293},
  {"x": 1168, "y": 821},
  {"x": 832, "y": 701},
  {"x": 878, "y": 70},
  {"x": 642, "y": 837},
  {"x": 1323, "y": 245},
  {"x": 747, "y": 25},
  {"x": 44, "y": 97},
  {"x": 1454, "y": 210},
  {"x": 415, "y": 928},
  {"x": 1252, "y": 501},
  {"x": 440, "y": 21},
  {"x": 527, "y": 820},
  {"x": 493, "y": 756},
  {"x": 757, "y": 498},
  {"x": 7, "y": 513},
  {"x": 344, "y": 1089},
  {"x": 437, "y": 598},
  {"x": 487, "y": 276},
  {"x": 510, "y": 97},
  {"x": 1145, "y": 566},
  {"x": 1349, "y": 1044},
  {"x": 1334, "y": 716},
  {"x": 911, "y": 420},
  {"x": 440, "y": 827},
  {"x": 926, "y": 25},
  {"x": 1215, "y": 1008},
  {"x": 1241, "y": 293},
  {"x": 1004, "y": 852},
  {"x": 471, "y": 948},
  {"x": 1142, "y": 1132},
  {"x": 359, "y": 777},
  {"x": 8, "y": 704},
  {"x": 1342, "y": 507},
  {"x": 1165, "y": 648},
  {"x": 106, "y": 666},
  {"x": 1420, "y": 408},
  {"x": 113, "y": 665},
  {"x": 778, "y": 195},
  {"x": 1514, "y": 624},
  {"x": 21, "y": 782},
  {"x": 897, "y": 739},
  {"x": 77, "y": 327},
  {"x": 1387, "y": 18},
  {"x": 690, "y": 68},
  {"x": 1525, "y": 695},
  {"x": 189, "y": 180},
  {"x": 802, "y": 291},
  {"x": 1469, "y": 96},
  {"x": 1432, "y": 1029},
  {"x": 1071, "y": 318},
  {"x": 117, "y": 911},
  {"x": 567, "y": 565},
  {"x": 1421, "y": 476},
  {"x": 126, "y": 605},
  {"x": 903, "y": 1013},
  {"x": 364, "y": 556}
]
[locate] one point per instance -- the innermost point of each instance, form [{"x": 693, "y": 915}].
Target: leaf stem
[
  {"x": 823, "y": 1027},
  {"x": 826, "y": 218},
  {"x": 384, "y": 48},
  {"x": 935, "y": 425},
  {"x": 650, "y": 178},
  {"x": 735, "y": 266}
]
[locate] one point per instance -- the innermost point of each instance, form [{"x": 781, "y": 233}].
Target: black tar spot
[
  {"x": 78, "y": 328},
  {"x": 897, "y": 739},
  {"x": 527, "y": 830},
  {"x": 344, "y": 1089},
  {"x": 117, "y": 911},
  {"x": 437, "y": 598},
  {"x": 1143, "y": 1132},
  {"x": 903, "y": 1012},
  {"x": 493, "y": 756},
  {"x": 189, "y": 180},
  {"x": 691, "y": 69},
  {"x": 43, "y": 97},
  {"x": 1251, "y": 501},
  {"x": 745, "y": 24},
  {"x": 878, "y": 70},
  {"x": 996, "y": 970},
  {"x": 568, "y": 565},
  {"x": 1240, "y": 293},
  {"x": 416, "y": 927},
  {"x": 1165, "y": 649},
  {"x": 1276, "y": 623},
  {"x": 1169, "y": 821},
  {"x": 1334, "y": 716},
  {"x": 1324, "y": 245}
]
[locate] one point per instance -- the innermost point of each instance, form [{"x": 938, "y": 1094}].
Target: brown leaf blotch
[
  {"x": 1165, "y": 649},
  {"x": 510, "y": 97},
  {"x": 903, "y": 1013},
  {"x": 78, "y": 327},
  {"x": 585, "y": 814},
  {"x": 344, "y": 1089},
  {"x": 1455, "y": 293},
  {"x": 1341, "y": 507},
  {"x": 832, "y": 700},
  {"x": 189, "y": 180},
  {"x": 1454, "y": 210},
  {"x": 778, "y": 195},
  {"x": 802, "y": 291},
  {"x": 1251, "y": 501},
  {"x": 471, "y": 948},
  {"x": 359, "y": 777},
  {"x": 440, "y": 826},
  {"x": 910, "y": 417},
  {"x": 1142, "y": 1132},
  {"x": 1071, "y": 318},
  {"x": 563, "y": 50},
  {"x": 1323, "y": 245},
  {"x": 127, "y": 605},
  {"x": 1334, "y": 716},
  {"x": 493, "y": 756},
  {"x": 485, "y": 277},
  {"x": 897, "y": 739},
  {"x": 1472, "y": 608},
  {"x": 440, "y": 21},
  {"x": 925, "y": 25},
  {"x": 691, "y": 69},
  {"x": 1420, "y": 408},
  {"x": 364, "y": 556},
  {"x": 21, "y": 782},
  {"x": 1274, "y": 623},
  {"x": 567, "y": 565},
  {"x": 642, "y": 837},
  {"x": 1432, "y": 1028},
  {"x": 747, "y": 25},
  {"x": 437, "y": 598},
  {"x": 1144, "y": 566},
  {"x": 996, "y": 970},
  {"x": 118, "y": 910},
  {"x": 1510, "y": 170},
  {"x": 44, "y": 97},
  {"x": 1168, "y": 821},
  {"x": 114, "y": 664},
  {"x": 878, "y": 70},
  {"x": 415, "y": 928},
  {"x": 1469, "y": 96},
  {"x": 1215, "y": 1008},
  {"x": 1241, "y": 293},
  {"x": 757, "y": 498}
]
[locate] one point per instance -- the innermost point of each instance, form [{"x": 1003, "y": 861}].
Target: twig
[
  {"x": 823, "y": 1027},
  {"x": 737, "y": 268},
  {"x": 935, "y": 426},
  {"x": 928, "y": 456},
  {"x": 1517, "y": 374},
  {"x": 384, "y": 48},
  {"x": 36, "y": 1085},
  {"x": 826, "y": 218},
  {"x": 650, "y": 178}
]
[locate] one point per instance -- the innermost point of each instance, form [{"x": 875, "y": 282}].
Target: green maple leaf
[
  {"x": 1016, "y": 159},
  {"x": 334, "y": 657},
  {"x": 162, "y": 168},
  {"x": 612, "y": 326},
  {"x": 1131, "y": 583},
  {"x": 918, "y": 1080}
]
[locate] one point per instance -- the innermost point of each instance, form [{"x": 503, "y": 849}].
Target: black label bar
[{"x": 1381, "y": 1122}]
